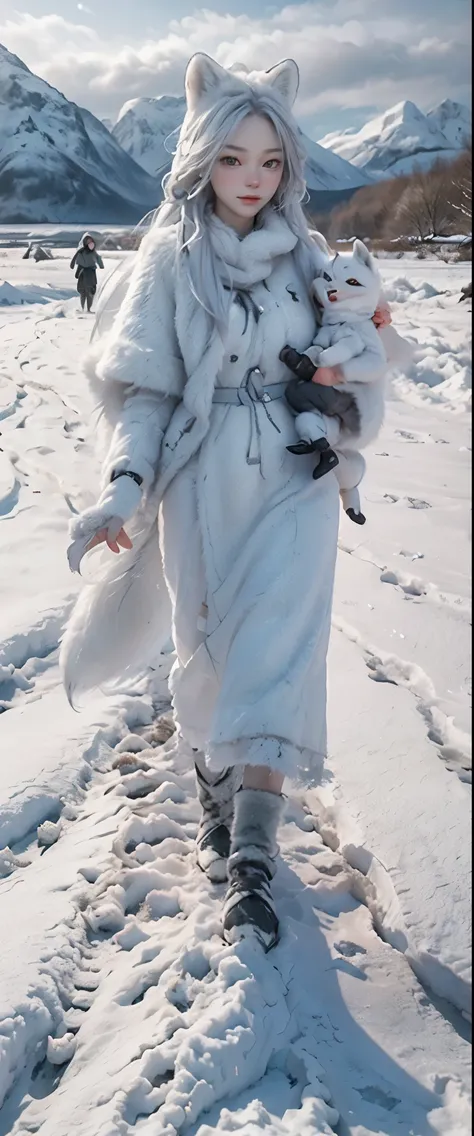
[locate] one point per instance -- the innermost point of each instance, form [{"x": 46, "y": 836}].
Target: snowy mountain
[
  {"x": 454, "y": 120},
  {"x": 145, "y": 129},
  {"x": 58, "y": 162},
  {"x": 142, "y": 127},
  {"x": 394, "y": 142}
]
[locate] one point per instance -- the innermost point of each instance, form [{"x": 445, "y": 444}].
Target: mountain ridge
[
  {"x": 392, "y": 143},
  {"x": 57, "y": 161}
]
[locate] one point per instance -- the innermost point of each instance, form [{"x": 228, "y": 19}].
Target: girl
[
  {"x": 195, "y": 426},
  {"x": 86, "y": 260}
]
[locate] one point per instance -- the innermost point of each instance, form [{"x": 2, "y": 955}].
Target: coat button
[{"x": 234, "y": 358}]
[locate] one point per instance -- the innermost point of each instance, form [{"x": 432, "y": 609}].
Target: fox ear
[
  {"x": 362, "y": 253},
  {"x": 204, "y": 80},
  {"x": 285, "y": 80},
  {"x": 321, "y": 242}
]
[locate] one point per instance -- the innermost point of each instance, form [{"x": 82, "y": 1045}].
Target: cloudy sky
[{"x": 356, "y": 57}]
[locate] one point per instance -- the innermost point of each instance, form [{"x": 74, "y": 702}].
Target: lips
[
  {"x": 332, "y": 297},
  {"x": 249, "y": 200}
]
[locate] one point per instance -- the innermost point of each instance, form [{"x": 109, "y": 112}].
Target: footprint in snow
[
  {"x": 410, "y": 585},
  {"x": 391, "y": 498},
  {"x": 349, "y": 949},
  {"x": 412, "y": 502},
  {"x": 408, "y": 436},
  {"x": 418, "y": 503},
  {"x": 377, "y": 1096}
]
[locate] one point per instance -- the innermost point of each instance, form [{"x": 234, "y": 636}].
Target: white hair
[{"x": 189, "y": 197}]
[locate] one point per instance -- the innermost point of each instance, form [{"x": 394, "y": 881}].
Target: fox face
[{"x": 348, "y": 286}]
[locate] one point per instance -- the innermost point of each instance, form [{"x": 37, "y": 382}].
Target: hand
[
  {"x": 113, "y": 534},
  {"x": 103, "y": 523},
  {"x": 115, "y": 541},
  {"x": 328, "y": 376},
  {"x": 382, "y": 316}
]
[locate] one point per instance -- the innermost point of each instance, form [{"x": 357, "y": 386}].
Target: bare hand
[
  {"x": 382, "y": 316},
  {"x": 328, "y": 376},
  {"x": 115, "y": 541}
]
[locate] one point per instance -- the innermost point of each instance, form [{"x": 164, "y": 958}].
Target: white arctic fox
[{"x": 347, "y": 416}]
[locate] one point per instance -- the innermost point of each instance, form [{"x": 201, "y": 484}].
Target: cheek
[
  {"x": 272, "y": 178},
  {"x": 223, "y": 179}
]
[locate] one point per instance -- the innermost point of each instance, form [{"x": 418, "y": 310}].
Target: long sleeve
[
  {"x": 135, "y": 447},
  {"x": 73, "y": 261},
  {"x": 99, "y": 260},
  {"x": 137, "y": 374},
  {"x": 136, "y": 440}
]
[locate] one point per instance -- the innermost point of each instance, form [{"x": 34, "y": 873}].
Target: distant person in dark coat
[{"x": 86, "y": 260}]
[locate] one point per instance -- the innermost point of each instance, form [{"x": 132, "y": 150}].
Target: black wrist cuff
[{"x": 126, "y": 473}]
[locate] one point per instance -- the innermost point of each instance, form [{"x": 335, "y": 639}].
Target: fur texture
[
  {"x": 206, "y": 82},
  {"x": 257, "y": 816},
  {"x": 347, "y": 293},
  {"x": 153, "y": 376},
  {"x": 161, "y": 334}
]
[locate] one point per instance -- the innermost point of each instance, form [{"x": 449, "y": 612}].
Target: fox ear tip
[{"x": 362, "y": 253}]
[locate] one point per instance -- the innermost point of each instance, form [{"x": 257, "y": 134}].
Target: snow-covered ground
[{"x": 358, "y": 1022}]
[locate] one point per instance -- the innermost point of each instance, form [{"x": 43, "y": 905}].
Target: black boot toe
[{"x": 251, "y": 915}]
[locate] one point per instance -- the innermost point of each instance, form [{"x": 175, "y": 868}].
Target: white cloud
[
  {"x": 36, "y": 37},
  {"x": 351, "y": 53}
]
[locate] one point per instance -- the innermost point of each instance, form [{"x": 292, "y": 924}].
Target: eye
[
  {"x": 229, "y": 160},
  {"x": 272, "y": 164},
  {"x": 326, "y": 276},
  {"x": 355, "y": 283}
]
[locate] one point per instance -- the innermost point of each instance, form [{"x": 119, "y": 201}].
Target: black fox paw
[
  {"x": 308, "y": 447},
  {"x": 300, "y": 364},
  {"x": 328, "y": 460},
  {"x": 358, "y": 518}
]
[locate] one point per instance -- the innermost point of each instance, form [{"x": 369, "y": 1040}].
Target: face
[
  {"x": 350, "y": 282},
  {"x": 247, "y": 172},
  {"x": 90, "y": 245}
]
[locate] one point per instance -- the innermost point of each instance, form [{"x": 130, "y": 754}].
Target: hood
[{"x": 87, "y": 237}]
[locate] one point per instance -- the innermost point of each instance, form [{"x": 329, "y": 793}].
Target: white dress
[{"x": 249, "y": 684}]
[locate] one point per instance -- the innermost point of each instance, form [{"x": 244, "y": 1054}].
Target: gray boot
[
  {"x": 248, "y": 905},
  {"x": 216, "y": 792}
]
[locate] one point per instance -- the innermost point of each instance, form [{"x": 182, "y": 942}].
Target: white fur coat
[{"x": 153, "y": 377}]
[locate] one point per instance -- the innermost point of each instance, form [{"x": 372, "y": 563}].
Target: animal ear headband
[{"x": 206, "y": 81}]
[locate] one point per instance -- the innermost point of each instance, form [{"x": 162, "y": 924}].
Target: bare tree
[
  {"x": 435, "y": 202},
  {"x": 461, "y": 199},
  {"x": 424, "y": 208}
]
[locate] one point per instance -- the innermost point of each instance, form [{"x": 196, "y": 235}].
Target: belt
[{"x": 252, "y": 393}]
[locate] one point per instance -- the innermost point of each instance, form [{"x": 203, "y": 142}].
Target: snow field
[
  {"x": 120, "y": 1008},
  {"x": 165, "y": 1029}
]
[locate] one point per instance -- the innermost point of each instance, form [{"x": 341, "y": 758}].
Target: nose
[{"x": 253, "y": 179}]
